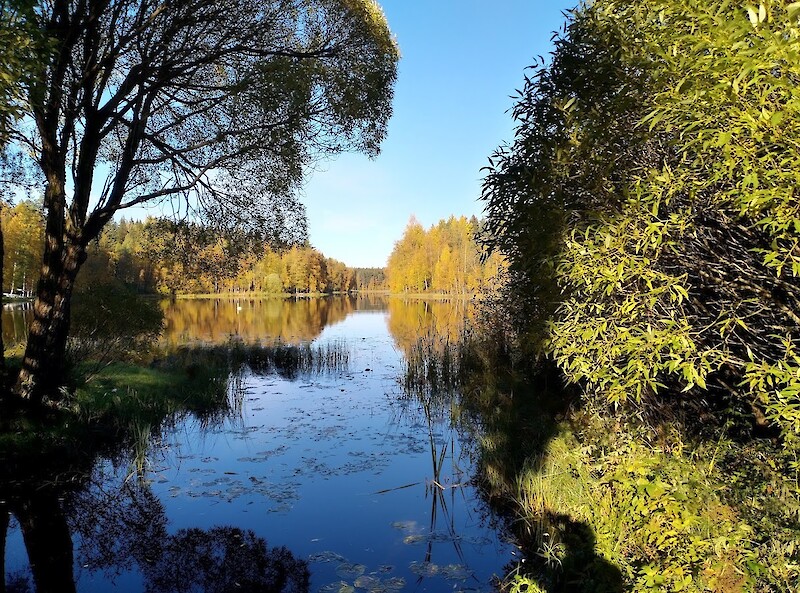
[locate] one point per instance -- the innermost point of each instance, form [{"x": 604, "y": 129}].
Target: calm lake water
[{"x": 340, "y": 470}]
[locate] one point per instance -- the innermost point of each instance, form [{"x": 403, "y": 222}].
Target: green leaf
[{"x": 723, "y": 138}]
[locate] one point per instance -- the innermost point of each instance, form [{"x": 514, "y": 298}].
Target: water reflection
[
  {"x": 216, "y": 321},
  {"x": 58, "y": 487},
  {"x": 15, "y": 323},
  {"x": 412, "y": 319},
  {"x": 294, "y": 321},
  {"x": 37, "y": 506},
  {"x": 125, "y": 528},
  {"x": 512, "y": 413},
  {"x": 373, "y": 488}
]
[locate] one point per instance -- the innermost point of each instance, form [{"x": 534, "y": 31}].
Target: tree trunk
[
  {"x": 4, "y": 521},
  {"x": 43, "y": 367},
  {"x": 48, "y": 542}
]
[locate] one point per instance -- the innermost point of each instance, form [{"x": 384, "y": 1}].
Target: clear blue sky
[{"x": 461, "y": 61}]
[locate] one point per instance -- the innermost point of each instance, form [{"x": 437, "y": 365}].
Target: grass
[
  {"x": 124, "y": 391},
  {"x": 197, "y": 379},
  {"x": 654, "y": 513},
  {"x": 287, "y": 360}
]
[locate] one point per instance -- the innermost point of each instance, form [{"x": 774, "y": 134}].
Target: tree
[
  {"x": 23, "y": 230},
  {"x": 215, "y": 105},
  {"x": 648, "y": 203},
  {"x": 445, "y": 258},
  {"x": 21, "y": 49}
]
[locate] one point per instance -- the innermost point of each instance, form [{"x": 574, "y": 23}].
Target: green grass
[
  {"x": 654, "y": 511},
  {"x": 124, "y": 390}
]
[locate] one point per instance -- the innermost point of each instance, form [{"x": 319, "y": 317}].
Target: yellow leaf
[{"x": 752, "y": 14}]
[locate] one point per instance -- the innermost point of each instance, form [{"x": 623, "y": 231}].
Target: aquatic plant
[{"x": 287, "y": 360}]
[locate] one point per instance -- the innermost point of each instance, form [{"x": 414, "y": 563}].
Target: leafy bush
[{"x": 648, "y": 203}]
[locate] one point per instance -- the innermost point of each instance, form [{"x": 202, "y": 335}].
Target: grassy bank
[
  {"x": 197, "y": 379},
  {"x": 613, "y": 506}
]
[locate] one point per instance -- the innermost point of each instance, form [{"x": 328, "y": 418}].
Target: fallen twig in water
[{"x": 398, "y": 488}]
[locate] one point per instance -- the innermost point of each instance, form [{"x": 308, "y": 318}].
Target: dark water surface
[{"x": 341, "y": 468}]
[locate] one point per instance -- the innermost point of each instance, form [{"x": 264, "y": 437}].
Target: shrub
[{"x": 648, "y": 203}]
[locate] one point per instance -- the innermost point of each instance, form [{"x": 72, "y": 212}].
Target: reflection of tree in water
[
  {"x": 57, "y": 487},
  {"x": 46, "y": 536},
  {"x": 514, "y": 416},
  {"x": 366, "y": 301},
  {"x": 412, "y": 319},
  {"x": 214, "y": 321},
  {"x": 15, "y": 323},
  {"x": 519, "y": 416},
  {"x": 36, "y": 474},
  {"x": 443, "y": 487},
  {"x": 125, "y": 528},
  {"x": 224, "y": 559}
]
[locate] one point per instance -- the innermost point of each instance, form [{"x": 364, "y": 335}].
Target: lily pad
[
  {"x": 424, "y": 569},
  {"x": 368, "y": 582},
  {"x": 348, "y": 570},
  {"x": 455, "y": 572},
  {"x": 340, "y": 587},
  {"x": 327, "y": 556},
  {"x": 394, "y": 583}
]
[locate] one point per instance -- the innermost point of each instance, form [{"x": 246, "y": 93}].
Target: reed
[
  {"x": 287, "y": 360},
  {"x": 433, "y": 366}
]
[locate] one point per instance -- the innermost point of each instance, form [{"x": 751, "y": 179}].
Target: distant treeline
[
  {"x": 160, "y": 256},
  {"x": 166, "y": 257},
  {"x": 444, "y": 259}
]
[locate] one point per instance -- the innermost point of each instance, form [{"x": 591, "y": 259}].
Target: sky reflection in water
[{"x": 337, "y": 467}]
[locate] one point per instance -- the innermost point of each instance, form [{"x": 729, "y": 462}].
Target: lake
[{"x": 339, "y": 470}]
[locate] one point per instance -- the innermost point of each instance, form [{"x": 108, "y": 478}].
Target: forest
[
  {"x": 159, "y": 256},
  {"x": 445, "y": 259}
]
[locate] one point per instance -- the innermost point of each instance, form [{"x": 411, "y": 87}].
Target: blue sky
[{"x": 461, "y": 61}]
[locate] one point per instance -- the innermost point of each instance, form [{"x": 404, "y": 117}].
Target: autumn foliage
[
  {"x": 444, "y": 259},
  {"x": 158, "y": 256}
]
